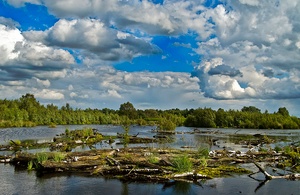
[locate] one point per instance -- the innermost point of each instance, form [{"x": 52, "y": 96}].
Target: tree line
[{"x": 27, "y": 112}]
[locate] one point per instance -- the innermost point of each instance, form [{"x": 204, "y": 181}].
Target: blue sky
[{"x": 156, "y": 54}]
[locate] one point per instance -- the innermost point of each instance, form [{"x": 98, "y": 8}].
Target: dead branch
[
  {"x": 190, "y": 175},
  {"x": 132, "y": 171},
  {"x": 112, "y": 162},
  {"x": 269, "y": 177}
]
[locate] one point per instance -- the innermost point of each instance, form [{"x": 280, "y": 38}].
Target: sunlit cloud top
[{"x": 153, "y": 53}]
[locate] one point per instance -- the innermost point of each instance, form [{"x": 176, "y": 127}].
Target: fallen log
[
  {"x": 269, "y": 176},
  {"x": 125, "y": 171},
  {"x": 112, "y": 162},
  {"x": 191, "y": 175}
]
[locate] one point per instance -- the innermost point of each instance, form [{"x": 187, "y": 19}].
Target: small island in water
[{"x": 158, "y": 164}]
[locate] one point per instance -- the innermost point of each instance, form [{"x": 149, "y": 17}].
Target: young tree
[
  {"x": 128, "y": 110},
  {"x": 283, "y": 111}
]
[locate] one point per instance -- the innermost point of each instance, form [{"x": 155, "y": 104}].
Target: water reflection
[
  {"x": 18, "y": 181},
  {"x": 178, "y": 187}
]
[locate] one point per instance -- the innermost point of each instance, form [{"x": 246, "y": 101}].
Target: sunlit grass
[
  {"x": 182, "y": 163},
  {"x": 41, "y": 157},
  {"x": 58, "y": 156}
]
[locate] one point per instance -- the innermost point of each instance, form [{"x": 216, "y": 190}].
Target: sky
[{"x": 159, "y": 54}]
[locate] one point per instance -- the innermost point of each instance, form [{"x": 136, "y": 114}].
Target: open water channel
[{"x": 16, "y": 181}]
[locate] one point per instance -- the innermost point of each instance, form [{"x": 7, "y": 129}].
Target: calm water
[
  {"x": 13, "y": 181},
  {"x": 23, "y": 182}
]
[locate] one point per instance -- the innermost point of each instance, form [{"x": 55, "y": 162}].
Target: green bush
[{"x": 167, "y": 125}]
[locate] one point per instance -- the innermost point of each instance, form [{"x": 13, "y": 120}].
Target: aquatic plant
[
  {"x": 58, "y": 156},
  {"x": 41, "y": 157},
  {"x": 126, "y": 128},
  {"x": 203, "y": 162},
  {"x": 30, "y": 165},
  {"x": 15, "y": 142},
  {"x": 87, "y": 132},
  {"x": 277, "y": 148},
  {"x": 67, "y": 132},
  {"x": 152, "y": 158},
  {"x": 202, "y": 152},
  {"x": 266, "y": 139},
  {"x": 182, "y": 163},
  {"x": 52, "y": 125}
]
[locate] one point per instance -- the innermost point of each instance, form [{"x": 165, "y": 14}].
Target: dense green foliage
[
  {"x": 27, "y": 111},
  {"x": 248, "y": 117}
]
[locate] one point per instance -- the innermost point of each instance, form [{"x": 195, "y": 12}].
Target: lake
[{"x": 16, "y": 181}]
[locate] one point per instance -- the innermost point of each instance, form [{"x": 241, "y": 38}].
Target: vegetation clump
[
  {"x": 70, "y": 139},
  {"x": 58, "y": 156},
  {"x": 182, "y": 163},
  {"x": 154, "y": 164},
  {"x": 41, "y": 157},
  {"x": 222, "y": 171}
]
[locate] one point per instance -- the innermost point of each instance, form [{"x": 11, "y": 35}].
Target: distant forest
[{"x": 27, "y": 112}]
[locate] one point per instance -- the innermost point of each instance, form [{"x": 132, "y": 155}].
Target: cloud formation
[
  {"x": 22, "y": 59},
  {"x": 92, "y": 36},
  {"x": 259, "y": 40},
  {"x": 248, "y": 51}
]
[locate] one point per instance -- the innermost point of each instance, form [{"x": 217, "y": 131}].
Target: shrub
[{"x": 167, "y": 125}]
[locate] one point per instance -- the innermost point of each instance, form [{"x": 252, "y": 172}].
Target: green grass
[
  {"x": 202, "y": 152},
  {"x": 58, "y": 156},
  {"x": 41, "y": 157},
  {"x": 153, "y": 159},
  {"x": 182, "y": 163}
]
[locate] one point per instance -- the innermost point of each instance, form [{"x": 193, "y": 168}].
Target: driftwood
[
  {"x": 78, "y": 166},
  {"x": 191, "y": 175},
  {"x": 269, "y": 176},
  {"x": 133, "y": 173},
  {"x": 112, "y": 162},
  {"x": 5, "y": 159}
]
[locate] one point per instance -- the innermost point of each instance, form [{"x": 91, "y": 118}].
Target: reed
[
  {"x": 182, "y": 163},
  {"x": 58, "y": 156},
  {"x": 41, "y": 157}
]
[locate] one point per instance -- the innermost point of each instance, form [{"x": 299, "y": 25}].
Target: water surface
[{"x": 16, "y": 181}]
